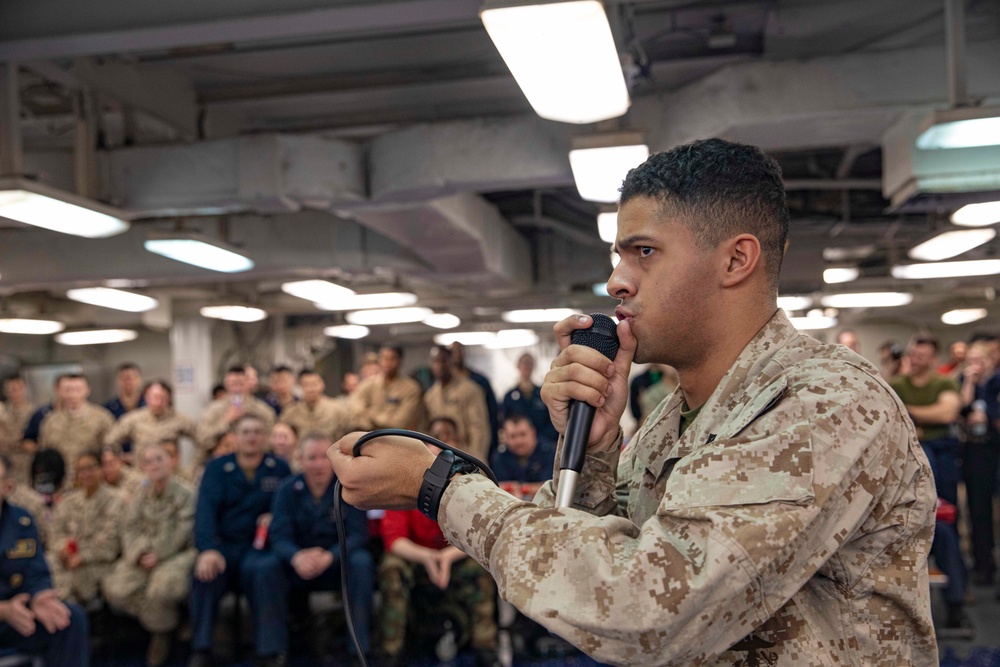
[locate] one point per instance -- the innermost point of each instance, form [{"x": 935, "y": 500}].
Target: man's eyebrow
[{"x": 630, "y": 241}]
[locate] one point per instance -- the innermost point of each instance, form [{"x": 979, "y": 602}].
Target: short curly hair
[{"x": 719, "y": 189}]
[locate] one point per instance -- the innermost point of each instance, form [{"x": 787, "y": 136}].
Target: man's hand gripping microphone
[{"x": 603, "y": 337}]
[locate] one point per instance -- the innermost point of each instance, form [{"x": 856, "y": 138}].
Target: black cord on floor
[{"x": 339, "y": 516}]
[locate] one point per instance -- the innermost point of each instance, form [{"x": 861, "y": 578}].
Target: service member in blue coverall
[
  {"x": 236, "y": 491},
  {"x": 305, "y": 553},
  {"x": 32, "y": 618}
]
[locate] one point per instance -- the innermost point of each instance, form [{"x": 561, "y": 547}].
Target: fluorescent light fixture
[
  {"x": 977, "y": 215},
  {"x": 794, "y": 302},
  {"x": 43, "y": 206},
  {"x": 813, "y": 323},
  {"x": 389, "y": 316},
  {"x": 951, "y": 244},
  {"x": 867, "y": 300},
  {"x": 965, "y": 127},
  {"x": 198, "y": 250},
  {"x": 848, "y": 254},
  {"x": 963, "y": 315},
  {"x": 31, "y": 327},
  {"x": 369, "y": 301},
  {"x": 350, "y": 331},
  {"x": 615, "y": 258},
  {"x": 563, "y": 57},
  {"x": 512, "y": 338},
  {"x": 96, "y": 337},
  {"x": 601, "y": 162},
  {"x": 538, "y": 315},
  {"x": 600, "y": 289},
  {"x": 468, "y": 338},
  {"x": 841, "y": 274},
  {"x": 976, "y": 267},
  {"x": 607, "y": 226},
  {"x": 493, "y": 340},
  {"x": 234, "y": 313},
  {"x": 442, "y": 321},
  {"x": 113, "y": 298},
  {"x": 317, "y": 291}
]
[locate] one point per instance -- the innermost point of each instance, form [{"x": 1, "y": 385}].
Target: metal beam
[
  {"x": 366, "y": 18},
  {"x": 11, "y": 156}
]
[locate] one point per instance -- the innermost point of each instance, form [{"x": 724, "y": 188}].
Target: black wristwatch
[{"x": 436, "y": 480}]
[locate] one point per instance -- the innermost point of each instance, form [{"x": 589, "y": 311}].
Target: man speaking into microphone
[{"x": 775, "y": 509}]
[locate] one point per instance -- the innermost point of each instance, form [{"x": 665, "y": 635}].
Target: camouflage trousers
[
  {"x": 153, "y": 596},
  {"x": 471, "y": 592},
  {"x": 81, "y": 585}
]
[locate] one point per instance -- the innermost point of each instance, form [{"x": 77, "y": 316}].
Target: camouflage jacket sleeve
[
  {"x": 743, "y": 522},
  {"x": 409, "y": 412},
  {"x": 595, "y": 489},
  {"x": 120, "y": 432},
  {"x": 477, "y": 421},
  {"x": 180, "y": 535}
]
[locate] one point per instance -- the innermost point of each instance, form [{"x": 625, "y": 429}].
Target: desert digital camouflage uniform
[
  {"x": 142, "y": 428},
  {"x": 462, "y": 400},
  {"x": 11, "y": 447},
  {"x": 164, "y": 525},
  {"x": 73, "y": 434},
  {"x": 129, "y": 482},
  {"x": 789, "y": 525},
  {"x": 28, "y": 499},
  {"x": 95, "y": 524},
  {"x": 329, "y": 417},
  {"x": 380, "y": 403},
  {"x": 21, "y": 415},
  {"x": 470, "y": 599},
  {"x": 213, "y": 420}
]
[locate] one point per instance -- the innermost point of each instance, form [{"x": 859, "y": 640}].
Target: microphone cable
[{"x": 338, "y": 514}]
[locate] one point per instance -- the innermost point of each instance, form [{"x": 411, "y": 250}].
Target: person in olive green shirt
[{"x": 934, "y": 404}]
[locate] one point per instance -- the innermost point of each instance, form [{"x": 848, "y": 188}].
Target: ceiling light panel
[
  {"x": 317, "y": 291},
  {"x": 977, "y": 215},
  {"x": 348, "y": 331},
  {"x": 976, "y": 267},
  {"x": 599, "y": 172},
  {"x": 842, "y": 274},
  {"x": 201, "y": 252},
  {"x": 389, "y": 316},
  {"x": 813, "y": 323},
  {"x": 963, "y": 315},
  {"x": 42, "y": 206},
  {"x": 538, "y": 315},
  {"x": 867, "y": 300},
  {"x": 607, "y": 226},
  {"x": 234, "y": 313},
  {"x": 966, "y": 127},
  {"x": 563, "y": 57},
  {"x": 96, "y": 337},
  {"x": 468, "y": 338},
  {"x": 951, "y": 244},
  {"x": 113, "y": 298},
  {"x": 794, "y": 302},
  {"x": 31, "y": 327},
  {"x": 369, "y": 301},
  {"x": 442, "y": 321}
]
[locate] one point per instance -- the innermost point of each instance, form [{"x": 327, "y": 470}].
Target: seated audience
[
  {"x": 85, "y": 533},
  {"x": 281, "y": 389},
  {"x": 283, "y": 442},
  {"x": 417, "y": 557},
  {"x": 128, "y": 391},
  {"x": 119, "y": 476},
  {"x": 151, "y": 581},
  {"x": 305, "y": 554},
  {"x": 389, "y": 399},
  {"x": 222, "y": 413},
  {"x": 525, "y": 460},
  {"x": 154, "y": 422},
  {"x": 317, "y": 412},
  {"x": 235, "y": 492},
  {"x": 526, "y": 399},
  {"x": 32, "y": 618}
]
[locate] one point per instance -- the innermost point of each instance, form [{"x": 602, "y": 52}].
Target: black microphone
[{"x": 602, "y": 335}]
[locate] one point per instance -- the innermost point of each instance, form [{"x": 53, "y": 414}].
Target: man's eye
[{"x": 645, "y": 251}]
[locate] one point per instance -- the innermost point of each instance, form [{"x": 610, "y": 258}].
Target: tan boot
[{"x": 159, "y": 649}]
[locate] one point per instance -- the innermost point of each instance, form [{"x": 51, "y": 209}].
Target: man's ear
[{"x": 742, "y": 257}]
